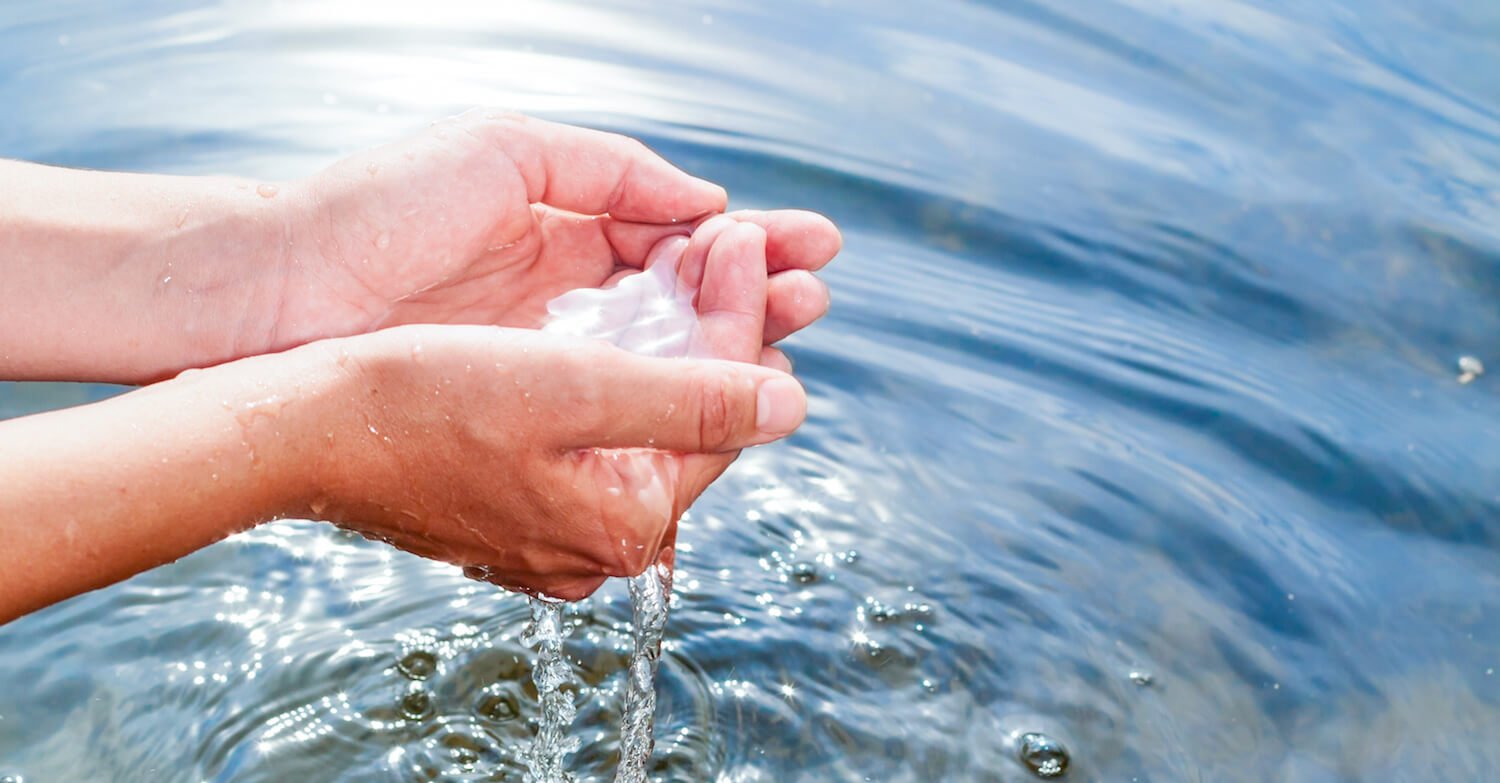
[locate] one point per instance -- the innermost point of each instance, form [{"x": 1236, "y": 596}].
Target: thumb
[{"x": 683, "y": 405}]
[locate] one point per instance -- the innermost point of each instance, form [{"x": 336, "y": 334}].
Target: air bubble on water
[
  {"x": 1044, "y": 756},
  {"x": 463, "y": 750},
  {"x": 417, "y": 665},
  {"x": 499, "y": 707},
  {"x": 1142, "y": 678},
  {"x": 804, "y": 573},
  {"x": 416, "y": 705}
]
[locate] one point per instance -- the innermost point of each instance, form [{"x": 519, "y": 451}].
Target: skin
[
  {"x": 480, "y": 219},
  {"x": 387, "y": 385}
]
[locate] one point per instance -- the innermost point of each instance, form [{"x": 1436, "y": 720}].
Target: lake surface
[{"x": 1136, "y": 421}]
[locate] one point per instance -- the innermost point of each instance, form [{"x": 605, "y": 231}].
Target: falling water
[
  {"x": 650, "y": 313},
  {"x": 546, "y": 756},
  {"x": 650, "y": 596}
]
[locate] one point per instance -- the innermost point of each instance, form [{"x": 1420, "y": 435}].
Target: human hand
[
  {"x": 585, "y": 473},
  {"x": 485, "y": 217}
]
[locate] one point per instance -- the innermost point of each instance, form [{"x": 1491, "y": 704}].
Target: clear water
[
  {"x": 547, "y": 758},
  {"x": 1136, "y": 423},
  {"x": 650, "y": 603}
]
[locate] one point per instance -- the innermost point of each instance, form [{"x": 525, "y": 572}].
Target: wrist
[{"x": 333, "y": 436}]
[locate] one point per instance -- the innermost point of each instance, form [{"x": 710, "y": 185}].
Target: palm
[{"x": 483, "y": 219}]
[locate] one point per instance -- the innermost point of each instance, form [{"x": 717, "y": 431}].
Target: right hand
[{"x": 489, "y": 448}]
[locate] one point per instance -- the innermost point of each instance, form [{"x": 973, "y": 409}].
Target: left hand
[{"x": 485, "y": 217}]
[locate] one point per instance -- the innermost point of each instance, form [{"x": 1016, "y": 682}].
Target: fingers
[
  {"x": 695, "y": 258},
  {"x": 732, "y": 299},
  {"x": 795, "y": 238},
  {"x": 775, "y": 359},
  {"x": 794, "y": 299},
  {"x": 619, "y": 400},
  {"x": 593, "y": 172}
]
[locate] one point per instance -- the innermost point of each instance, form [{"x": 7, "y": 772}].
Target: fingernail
[{"x": 780, "y": 406}]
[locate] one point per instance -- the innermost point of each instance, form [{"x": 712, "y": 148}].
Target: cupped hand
[
  {"x": 547, "y": 464},
  {"x": 484, "y": 217}
]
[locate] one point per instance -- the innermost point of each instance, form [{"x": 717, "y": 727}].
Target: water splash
[
  {"x": 650, "y": 594},
  {"x": 547, "y": 756}
]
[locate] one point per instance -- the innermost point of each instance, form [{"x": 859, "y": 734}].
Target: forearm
[
  {"x": 132, "y": 277},
  {"x": 94, "y": 494}
]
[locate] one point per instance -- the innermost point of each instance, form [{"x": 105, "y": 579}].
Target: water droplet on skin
[
  {"x": 383, "y": 241},
  {"x": 417, "y": 665},
  {"x": 267, "y": 191},
  {"x": 1143, "y": 679},
  {"x": 1044, "y": 756},
  {"x": 373, "y": 168},
  {"x": 165, "y": 279},
  {"x": 182, "y": 218},
  {"x": 416, "y": 352}
]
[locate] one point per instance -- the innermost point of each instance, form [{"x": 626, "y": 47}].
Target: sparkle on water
[{"x": 1149, "y": 317}]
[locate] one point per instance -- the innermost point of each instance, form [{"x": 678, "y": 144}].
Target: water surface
[{"x": 1143, "y": 359}]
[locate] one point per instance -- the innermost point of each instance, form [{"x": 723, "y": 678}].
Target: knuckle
[{"x": 716, "y": 426}]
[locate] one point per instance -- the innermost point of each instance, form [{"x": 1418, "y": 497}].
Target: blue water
[{"x": 1143, "y": 359}]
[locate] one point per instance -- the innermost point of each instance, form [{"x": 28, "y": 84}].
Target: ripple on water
[{"x": 1163, "y": 381}]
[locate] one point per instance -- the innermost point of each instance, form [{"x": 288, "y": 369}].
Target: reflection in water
[{"x": 1143, "y": 360}]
